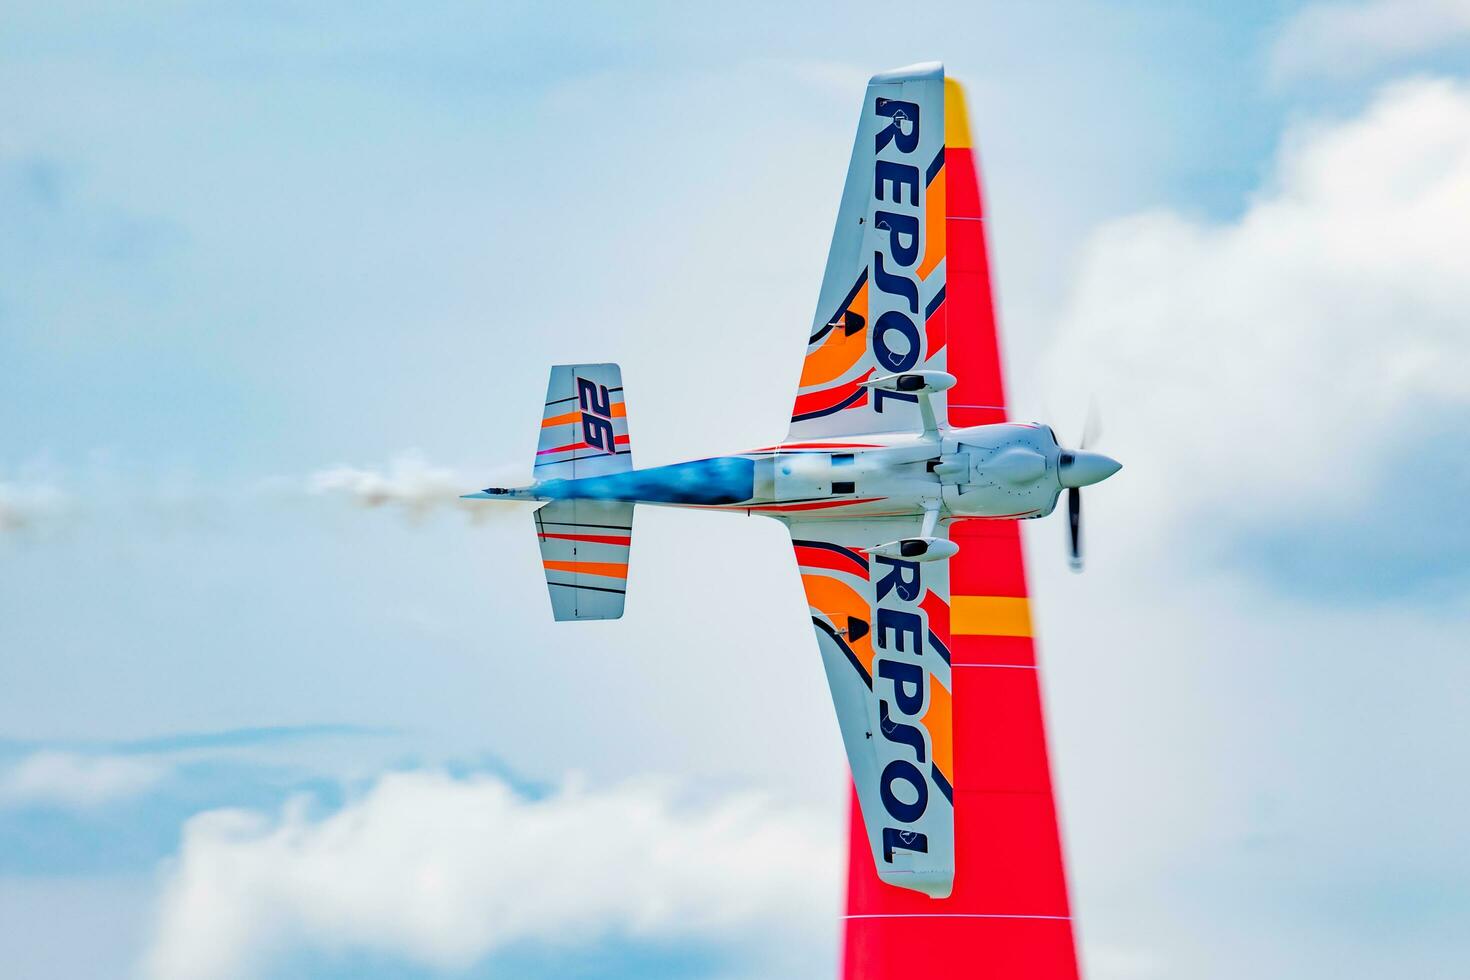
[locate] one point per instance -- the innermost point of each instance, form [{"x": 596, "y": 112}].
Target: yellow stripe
[
  {"x": 956, "y": 118},
  {"x": 989, "y": 615}
]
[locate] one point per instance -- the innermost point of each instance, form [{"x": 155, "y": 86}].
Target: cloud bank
[
  {"x": 1297, "y": 381},
  {"x": 443, "y": 872},
  {"x": 1342, "y": 39},
  {"x": 68, "y": 779}
]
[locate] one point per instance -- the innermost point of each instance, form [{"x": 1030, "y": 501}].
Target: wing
[
  {"x": 885, "y": 276},
  {"x": 882, "y": 624}
]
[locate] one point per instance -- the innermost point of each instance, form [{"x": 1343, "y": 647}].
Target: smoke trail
[{"x": 408, "y": 482}]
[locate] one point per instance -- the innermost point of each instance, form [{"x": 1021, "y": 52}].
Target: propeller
[
  {"x": 1074, "y": 527},
  {"x": 1092, "y": 425},
  {"x": 1078, "y": 469}
]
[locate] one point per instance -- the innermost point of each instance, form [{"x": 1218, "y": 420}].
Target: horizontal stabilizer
[{"x": 584, "y": 550}]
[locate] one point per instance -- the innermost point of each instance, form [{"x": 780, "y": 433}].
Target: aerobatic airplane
[{"x": 901, "y": 482}]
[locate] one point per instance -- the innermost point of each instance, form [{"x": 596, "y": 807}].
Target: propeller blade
[
  {"x": 1074, "y": 526},
  {"x": 1092, "y": 427}
]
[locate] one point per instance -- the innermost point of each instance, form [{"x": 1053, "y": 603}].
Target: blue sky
[{"x": 260, "y": 266}]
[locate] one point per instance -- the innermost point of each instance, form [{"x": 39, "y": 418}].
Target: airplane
[{"x": 900, "y": 478}]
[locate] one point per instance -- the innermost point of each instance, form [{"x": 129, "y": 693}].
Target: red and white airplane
[{"x": 901, "y": 481}]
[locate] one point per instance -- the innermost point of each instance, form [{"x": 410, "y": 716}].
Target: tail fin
[
  {"x": 584, "y": 543},
  {"x": 584, "y": 429}
]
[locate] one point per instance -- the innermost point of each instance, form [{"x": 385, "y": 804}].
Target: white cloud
[
  {"x": 444, "y": 871},
  {"x": 1254, "y": 785},
  {"x": 28, "y": 505},
  {"x": 1122, "y": 963},
  {"x": 1307, "y": 361},
  {"x": 1341, "y": 39},
  {"x": 72, "y": 780}
]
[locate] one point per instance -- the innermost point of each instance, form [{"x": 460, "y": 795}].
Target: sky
[{"x": 276, "y": 283}]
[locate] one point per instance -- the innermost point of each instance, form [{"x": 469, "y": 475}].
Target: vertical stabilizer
[{"x": 584, "y": 427}]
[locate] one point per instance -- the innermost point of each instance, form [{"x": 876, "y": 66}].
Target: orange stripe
[
  {"x": 619, "y": 410},
  {"x": 934, "y": 240},
  {"x": 606, "y": 569},
  {"x": 989, "y": 615},
  {"x": 837, "y": 356},
  {"x": 939, "y": 719},
  {"x": 839, "y": 350},
  {"x": 839, "y": 601}
]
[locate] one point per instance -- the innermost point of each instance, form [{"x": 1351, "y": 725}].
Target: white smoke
[{"x": 408, "y": 481}]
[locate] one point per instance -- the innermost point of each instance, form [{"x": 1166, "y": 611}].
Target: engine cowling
[{"x": 1012, "y": 471}]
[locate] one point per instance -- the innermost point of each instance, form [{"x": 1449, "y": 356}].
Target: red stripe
[
  {"x": 1010, "y": 651},
  {"x": 820, "y": 445},
  {"x": 934, "y": 332},
  {"x": 974, "y": 349},
  {"x": 562, "y": 449},
  {"x": 823, "y": 558},
  {"x": 815, "y": 401},
  {"x": 816, "y": 505},
  {"x": 1003, "y": 578},
  {"x": 592, "y": 538},
  {"x": 617, "y": 441},
  {"x": 938, "y": 612}
]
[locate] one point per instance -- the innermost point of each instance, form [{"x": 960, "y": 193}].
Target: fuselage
[{"x": 1002, "y": 471}]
